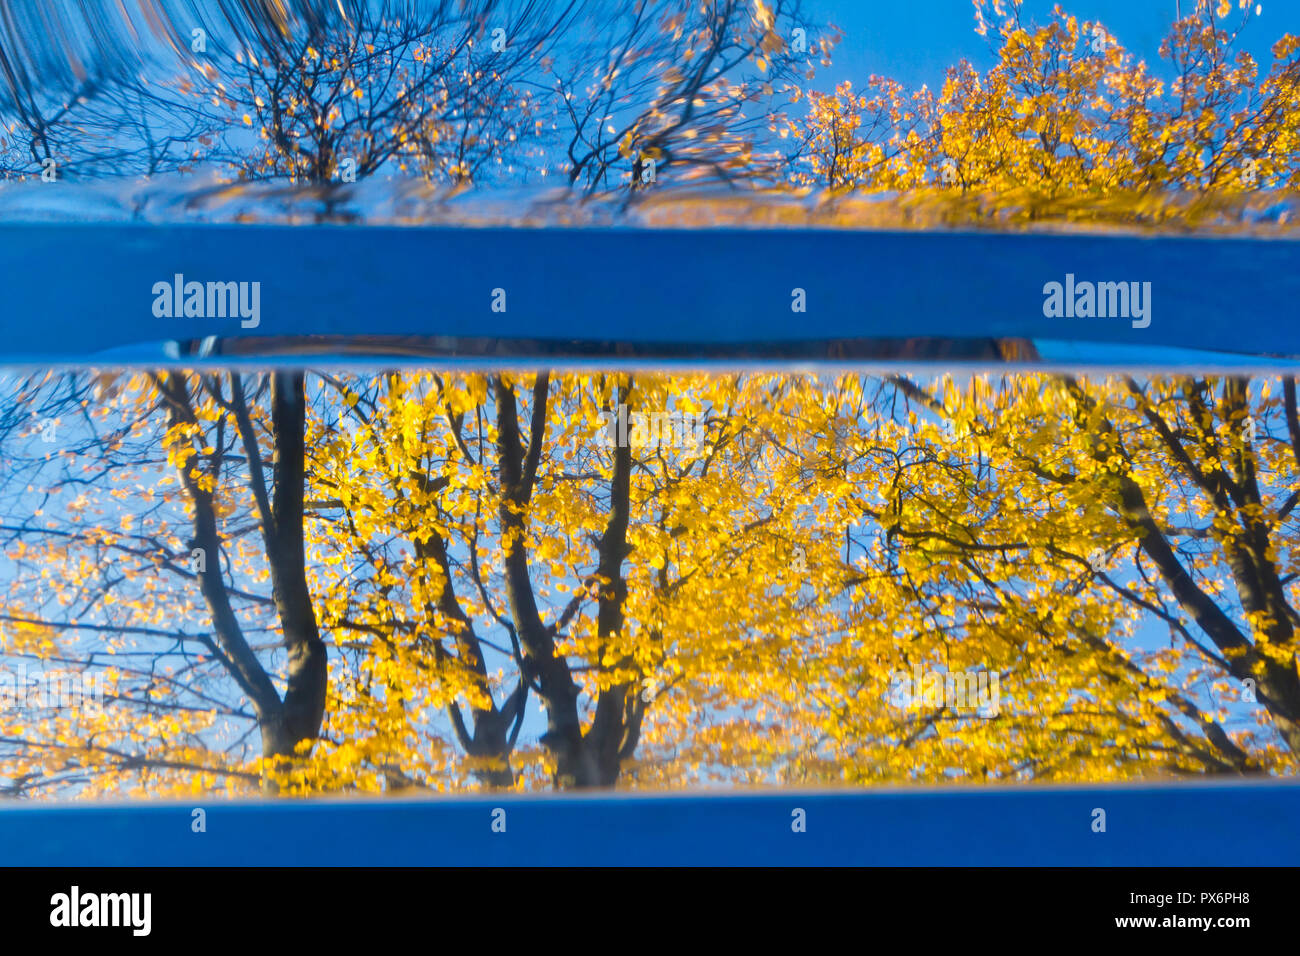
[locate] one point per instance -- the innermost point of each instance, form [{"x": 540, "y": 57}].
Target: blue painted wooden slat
[
  {"x": 71, "y": 291},
  {"x": 1195, "y": 824}
]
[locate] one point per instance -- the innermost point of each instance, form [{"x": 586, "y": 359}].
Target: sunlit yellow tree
[
  {"x": 171, "y": 500},
  {"x": 609, "y": 581},
  {"x": 737, "y": 606},
  {"x": 1118, "y": 551},
  {"x": 1067, "y": 123}
]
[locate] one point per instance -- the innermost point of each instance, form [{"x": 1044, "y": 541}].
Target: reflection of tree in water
[
  {"x": 468, "y": 543},
  {"x": 312, "y": 93}
]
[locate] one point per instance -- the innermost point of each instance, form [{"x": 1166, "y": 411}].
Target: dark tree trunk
[
  {"x": 304, "y": 697},
  {"x": 1246, "y": 552},
  {"x": 284, "y": 723}
]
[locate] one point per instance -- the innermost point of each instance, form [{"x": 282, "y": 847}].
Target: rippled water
[{"x": 118, "y": 98}]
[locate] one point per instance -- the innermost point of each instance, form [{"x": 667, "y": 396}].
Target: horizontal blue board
[
  {"x": 73, "y": 292},
  {"x": 1175, "y": 825}
]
